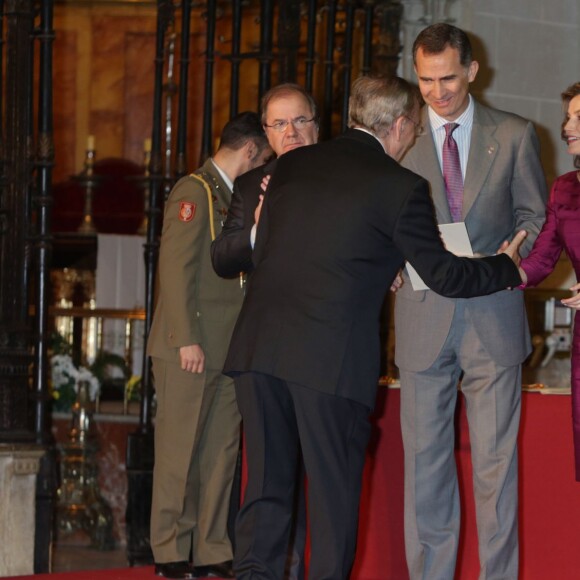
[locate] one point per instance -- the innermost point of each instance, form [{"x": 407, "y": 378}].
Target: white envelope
[{"x": 455, "y": 239}]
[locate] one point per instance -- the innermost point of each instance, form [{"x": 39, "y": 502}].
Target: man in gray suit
[
  {"x": 478, "y": 341},
  {"x": 305, "y": 349}
]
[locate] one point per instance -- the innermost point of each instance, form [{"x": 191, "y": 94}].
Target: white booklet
[{"x": 455, "y": 239}]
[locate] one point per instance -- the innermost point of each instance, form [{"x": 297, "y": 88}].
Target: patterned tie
[{"x": 452, "y": 173}]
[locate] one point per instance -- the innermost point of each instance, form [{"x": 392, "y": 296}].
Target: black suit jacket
[
  {"x": 231, "y": 251},
  {"x": 339, "y": 219}
]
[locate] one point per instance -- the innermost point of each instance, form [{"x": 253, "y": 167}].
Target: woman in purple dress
[{"x": 561, "y": 231}]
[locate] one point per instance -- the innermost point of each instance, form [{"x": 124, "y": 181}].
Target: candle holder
[
  {"x": 142, "y": 230},
  {"x": 88, "y": 181}
]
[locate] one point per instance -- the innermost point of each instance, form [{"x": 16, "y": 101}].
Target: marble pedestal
[{"x": 19, "y": 465}]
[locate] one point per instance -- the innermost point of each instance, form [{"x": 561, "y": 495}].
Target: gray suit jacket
[{"x": 505, "y": 191}]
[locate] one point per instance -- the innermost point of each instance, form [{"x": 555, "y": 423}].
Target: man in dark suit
[
  {"x": 481, "y": 341},
  {"x": 290, "y": 119},
  {"x": 338, "y": 220}
]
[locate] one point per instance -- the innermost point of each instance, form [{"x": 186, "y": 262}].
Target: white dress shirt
[{"x": 462, "y": 134}]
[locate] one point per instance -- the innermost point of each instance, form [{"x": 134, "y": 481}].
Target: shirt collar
[
  {"x": 466, "y": 118},
  {"x": 226, "y": 179},
  {"x": 371, "y": 134}
]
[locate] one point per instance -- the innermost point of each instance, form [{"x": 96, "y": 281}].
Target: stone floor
[{"x": 69, "y": 558}]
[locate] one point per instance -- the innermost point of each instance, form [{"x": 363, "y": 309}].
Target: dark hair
[
  {"x": 283, "y": 90},
  {"x": 437, "y": 37},
  {"x": 571, "y": 92},
  {"x": 242, "y": 128}
]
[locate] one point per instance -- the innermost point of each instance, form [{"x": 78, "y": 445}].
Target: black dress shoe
[
  {"x": 221, "y": 570},
  {"x": 175, "y": 570}
]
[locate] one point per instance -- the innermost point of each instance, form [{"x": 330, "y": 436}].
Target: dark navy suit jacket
[{"x": 339, "y": 219}]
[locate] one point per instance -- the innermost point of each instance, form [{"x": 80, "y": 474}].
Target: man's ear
[
  {"x": 398, "y": 127},
  {"x": 251, "y": 149},
  {"x": 472, "y": 70}
]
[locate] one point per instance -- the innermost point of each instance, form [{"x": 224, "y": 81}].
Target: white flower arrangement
[{"x": 65, "y": 378}]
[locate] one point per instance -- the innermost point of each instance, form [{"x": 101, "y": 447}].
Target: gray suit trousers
[{"x": 432, "y": 512}]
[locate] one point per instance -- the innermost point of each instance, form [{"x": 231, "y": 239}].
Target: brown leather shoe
[
  {"x": 181, "y": 569},
  {"x": 221, "y": 570}
]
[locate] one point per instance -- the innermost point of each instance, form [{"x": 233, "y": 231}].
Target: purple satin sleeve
[{"x": 546, "y": 251}]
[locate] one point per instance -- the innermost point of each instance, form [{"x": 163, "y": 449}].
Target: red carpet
[{"x": 549, "y": 500}]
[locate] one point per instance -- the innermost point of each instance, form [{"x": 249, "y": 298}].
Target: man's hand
[
  {"x": 258, "y": 210},
  {"x": 573, "y": 301},
  {"x": 397, "y": 282},
  {"x": 192, "y": 358},
  {"x": 512, "y": 248}
]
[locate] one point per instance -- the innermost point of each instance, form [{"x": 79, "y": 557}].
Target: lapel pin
[{"x": 490, "y": 150}]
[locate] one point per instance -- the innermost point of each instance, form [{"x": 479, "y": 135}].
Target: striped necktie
[{"x": 452, "y": 172}]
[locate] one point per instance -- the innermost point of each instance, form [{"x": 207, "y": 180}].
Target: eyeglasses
[
  {"x": 418, "y": 127},
  {"x": 299, "y": 124}
]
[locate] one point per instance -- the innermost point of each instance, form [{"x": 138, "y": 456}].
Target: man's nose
[
  {"x": 437, "y": 91},
  {"x": 290, "y": 129}
]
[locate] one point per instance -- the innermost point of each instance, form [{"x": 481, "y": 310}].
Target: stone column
[{"x": 19, "y": 465}]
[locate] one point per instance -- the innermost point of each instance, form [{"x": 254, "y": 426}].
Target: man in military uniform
[{"x": 197, "y": 421}]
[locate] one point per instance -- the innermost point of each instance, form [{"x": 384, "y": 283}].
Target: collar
[
  {"x": 466, "y": 118},
  {"x": 223, "y": 175},
  {"x": 371, "y": 134}
]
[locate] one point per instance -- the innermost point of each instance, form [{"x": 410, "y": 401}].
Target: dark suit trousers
[{"x": 280, "y": 418}]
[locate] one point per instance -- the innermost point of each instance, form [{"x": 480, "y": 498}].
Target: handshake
[{"x": 512, "y": 250}]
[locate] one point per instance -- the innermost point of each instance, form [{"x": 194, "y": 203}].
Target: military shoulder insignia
[{"x": 186, "y": 211}]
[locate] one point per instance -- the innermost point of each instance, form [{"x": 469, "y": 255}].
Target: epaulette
[{"x": 209, "y": 201}]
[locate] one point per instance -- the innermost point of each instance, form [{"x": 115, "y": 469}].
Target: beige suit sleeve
[{"x": 182, "y": 242}]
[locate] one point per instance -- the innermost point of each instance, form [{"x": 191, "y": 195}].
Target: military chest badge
[{"x": 186, "y": 211}]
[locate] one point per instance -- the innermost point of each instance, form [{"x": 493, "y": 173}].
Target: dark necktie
[{"x": 452, "y": 173}]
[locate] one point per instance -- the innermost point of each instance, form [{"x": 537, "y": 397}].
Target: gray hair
[{"x": 375, "y": 103}]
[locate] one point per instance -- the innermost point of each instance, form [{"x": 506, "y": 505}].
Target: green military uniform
[{"x": 197, "y": 420}]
